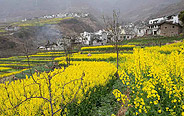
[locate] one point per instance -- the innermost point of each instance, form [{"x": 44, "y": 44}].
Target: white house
[
  {"x": 96, "y": 38},
  {"x": 154, "y": 24},
  {"x": 173, "y": 19},
  {"x": 86, "y": 37},
  {"x": 100, "y": 37},
  {"x": 157, "y": 20},
  {"x": 12, "y": 28},
  {"x": 126, "y": 34}
]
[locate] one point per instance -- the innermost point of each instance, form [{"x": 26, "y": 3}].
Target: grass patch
[
  {"x": 39, "y": 22},
  {"x": 152, "y": 41},
  {"x": 100, "y": 102}
]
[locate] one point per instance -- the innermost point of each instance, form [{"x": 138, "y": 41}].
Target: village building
[
  {"x": 42, "y": 48},
  {"x": 140, "y": 29},
  {"x": 100, "y": 38},
  {"x": 156, "y": 20},
  {"x": 50, "y": 46},
  {"x": 173, "y": 19},
  {"x": 127, "y": 34},
  {"x": 96, "y": 38},
  {"x": 170, "y": 29},
  {"x": 12, "y": 28},
  {"x": 86, "y": 38},
  {"x": 164, "y": 26},
  {"x": 153, "y": 29}
]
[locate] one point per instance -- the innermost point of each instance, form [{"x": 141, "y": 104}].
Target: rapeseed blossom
[
  {"x": 63, "y": 88},
  {"x": 107, "y": 47},
  {"x": 155, "y": 79}
]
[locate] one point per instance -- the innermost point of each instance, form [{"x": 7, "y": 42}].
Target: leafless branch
[
  {"x": 114, "y": 28},
  {"x": 75, "y": 95},
  {"x": 30, "y": 99},
  {"x": 8, "y": 96}
]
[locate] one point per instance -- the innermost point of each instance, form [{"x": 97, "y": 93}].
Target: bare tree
[
  {"x": 112, "y": 25},
  {"x": 50, "y": 100},
  {"x": 68, "y": 44}
]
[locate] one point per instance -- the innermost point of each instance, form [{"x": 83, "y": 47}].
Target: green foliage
[
  {"x": 108, "y": 48},
  {"x": 181, "y": 16},
  {"x": 152, "y": 41},
  {"x": 99, "y": 101},
  {"x": 40, "y": 22},
  {"x": 2, "y": 31}
]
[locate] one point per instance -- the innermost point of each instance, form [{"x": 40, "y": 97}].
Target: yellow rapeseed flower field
[
  {"x": 155, "y": 81},
  {"x": 4, "y": 68},
  {"x": 34, "y": 95},
  {"x": 12, "y": 73},
  {"x": 107, "y": 47}
]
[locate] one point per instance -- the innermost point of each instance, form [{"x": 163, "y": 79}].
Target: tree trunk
[{"x": 117, "y": 60}]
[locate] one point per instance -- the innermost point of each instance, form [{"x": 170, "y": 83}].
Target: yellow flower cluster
[
  {"x": 12, "y": 73},
  {"x": 12, "y": 58},
  {"x": 15, "y": 65},
  {"x": 120, "y": 97},
  {"x": 167, "y": 48},
  {"x": 58, "y": 87},
  {"x": 40, "y": 53},
  {"x": 4, "y": 68},
  {"x": 156, "y": 81},
  {"x": 45, "y": 55},
  {"x": 37, "y": 60},
  {"x": 93, "y": 57},
  {"x": 107, "y": 47}
]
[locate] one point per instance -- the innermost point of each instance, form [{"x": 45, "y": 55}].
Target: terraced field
[
  {"x": 149, "y": 82},
  {"x": 19, "y": 66}
]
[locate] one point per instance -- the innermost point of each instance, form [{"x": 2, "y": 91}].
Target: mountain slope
[
  {"x": 146, "y": 9},
  {"x": 130, "y": 10},
  {"x": 33, "y": 37},
  {"x": 171, "y": 9}
]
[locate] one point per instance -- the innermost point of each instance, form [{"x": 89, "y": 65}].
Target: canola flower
[
  {"x": 12, "y": 73},
  {"x": 93, "y": 57},
  {"x": 167, "y": 48},
  {"x": 4, "y": 68},
  {"x": 37, "y": 60},
  {"x": 12, "y": 58},
  {"x": 15, "y": 65},
  {"x": 46, "y": 53},
  {"x": 156, "y": 81},
  {"x": 107, "y": 47},
  {"x": 14, "y": 93}
]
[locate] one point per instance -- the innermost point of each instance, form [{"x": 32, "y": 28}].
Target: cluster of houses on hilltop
[{"x": 61, "y": 15}]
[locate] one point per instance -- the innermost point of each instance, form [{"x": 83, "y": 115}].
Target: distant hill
[
  {"x": 35, "y": 36},
  {"x": 174, "y": 8},
  {"x": 153, "y": 9},
  {"x": 131, "y": 10}
]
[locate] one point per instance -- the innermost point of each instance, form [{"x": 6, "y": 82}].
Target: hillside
[
  {"x": 130, "y": 10},
  {"x": 171, "y": 9},
  {"x": 32, "y": 37},
  {"x": 151, "y": 9}
]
